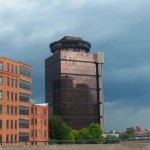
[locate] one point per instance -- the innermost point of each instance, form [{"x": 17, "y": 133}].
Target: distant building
[
  {"x": 142, "y": 134},
  {"x": 20, "y": 120},
  {"x": 73, "y": 82}
]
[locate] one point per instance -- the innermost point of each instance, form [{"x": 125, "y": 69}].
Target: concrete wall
[{"x": 125, "y": 146}]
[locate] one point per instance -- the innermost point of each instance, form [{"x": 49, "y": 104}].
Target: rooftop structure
[{"x": 69, "y": 43}]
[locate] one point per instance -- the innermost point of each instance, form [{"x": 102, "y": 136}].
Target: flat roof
[
  {"x": 16, "y": 61},
  {"x": 42, "y": 104}
]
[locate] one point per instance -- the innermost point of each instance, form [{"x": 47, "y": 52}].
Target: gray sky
[{"x": 119, "y": 28}]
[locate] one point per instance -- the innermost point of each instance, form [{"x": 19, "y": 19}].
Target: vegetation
[
  {"x": 128, "y": 134},
  {"x": 92, "y": 134},
  {"x": 58, "y": 130}
]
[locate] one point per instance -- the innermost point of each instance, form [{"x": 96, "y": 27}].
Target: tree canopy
[
  {"x": 128, "y": 134},
  {"x": 58, "y": 130},
  {"x": 93, "y": 134}
]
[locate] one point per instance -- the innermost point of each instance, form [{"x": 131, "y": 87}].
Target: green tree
[
  {"x": 58, "y": 130},
  {"x": 73, "y": 135},
  {"x": 128, "y": 134},
  {"x": 95, "y": 131},
  {"x": 93, "y": 134}
]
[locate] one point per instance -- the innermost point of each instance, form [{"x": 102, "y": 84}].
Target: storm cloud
[{"x": 120, "y": 29}]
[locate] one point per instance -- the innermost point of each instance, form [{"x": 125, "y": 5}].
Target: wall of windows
[
  {"x": 72, "y": 88},
  {"x": 11, "y": 68},
  {"x": 23, "y": 136},
  {"x": 11, "y": 96},
  {"x": 23, "y": 110},
  {"x": 12, "y": 82},
  {"x": 25, "y": 71},
  {"x": 25, "y": 85},
  {"x": 23, "y": 123},
  {"x": 23, "y": 97}
]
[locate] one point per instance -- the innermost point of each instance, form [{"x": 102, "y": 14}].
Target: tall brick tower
[{"x": 73, "y": 82}]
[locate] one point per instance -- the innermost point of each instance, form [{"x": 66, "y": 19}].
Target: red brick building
[{"x": 20, "y": 120}]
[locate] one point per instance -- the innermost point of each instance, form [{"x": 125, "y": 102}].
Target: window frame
[
  {"x": 1, "y": 80},
  {"x": 1, "y": 66},
  {"x": 1, "y": 94}
]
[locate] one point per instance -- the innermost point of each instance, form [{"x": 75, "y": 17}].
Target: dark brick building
[{"x": 73, "y": 82}]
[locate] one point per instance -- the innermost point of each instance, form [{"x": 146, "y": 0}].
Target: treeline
[{"x": 60, "y": 132}]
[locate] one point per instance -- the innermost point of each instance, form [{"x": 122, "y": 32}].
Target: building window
[
  {"x": 16, "y": 97},
  {"x": 1, "y": 95},
  {"x": 15, "y": 110},
  {"x": 7, "y": 138},
  {"x": 8, "y": 67},
  {"x": 44, "y": 111},
  {"x": 23, "y": 136},
  {"x": 23, "y": 123},
  {"x": 1, "y": 66},
  {"x": 11, "y": 137},
  {"x": 25, "y": 71},
  {"x": 45, "y": 133},
  {"x": 12, "y": 109},
  {"x": 7, "y": 109},
  {"x": 12, "y": 68},
  {"x": 15, "y": 124},
  {"x": 35, "y": 110},
  {"x": 23, "y": 110},
  {"x": 35, "y": 133},
  {"x": 25, "y": 85},
  {"x": 8, "y": 81},
  {"x": 45, "y": 122},
  {"x": 1, "y": 80},
  {"x": 32, "y": 133},
  {"x": 16, "y": 69},
  {"x": 15, "y": 137},
  {"x": 35, "y": 121},
  {"x": 32, "y": 121},
  {"x": 16, "y": 83},
  {"x": 0, "y": 124},
  {"x": 7, "y": 95},
  {"x": 11, "y": 124},
  {"x": 12, "y": 82},
  {"x": 1, "y": 109},
  {"x": 0, "y": 137},
  {"x": 23, "y": 97},
  {"x": 32, "y": 110},
  {"x": 12, "y": 96},
  {"x": 7, "y": 124}
]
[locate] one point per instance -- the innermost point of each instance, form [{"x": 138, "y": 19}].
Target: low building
[
  {"x": 20, "y": 120},
  {"x": 142, "y": 134}
]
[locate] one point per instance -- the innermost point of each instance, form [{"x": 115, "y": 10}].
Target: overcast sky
[{"x": 119, "y": 28}]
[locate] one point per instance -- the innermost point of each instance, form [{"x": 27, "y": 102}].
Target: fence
[{"x": 93, "y": 141}]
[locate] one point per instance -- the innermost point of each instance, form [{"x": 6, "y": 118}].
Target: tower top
[{"x": 70, "y": 43}]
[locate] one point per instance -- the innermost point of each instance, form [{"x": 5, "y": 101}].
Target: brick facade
[{"x": 16, "y": 110}]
